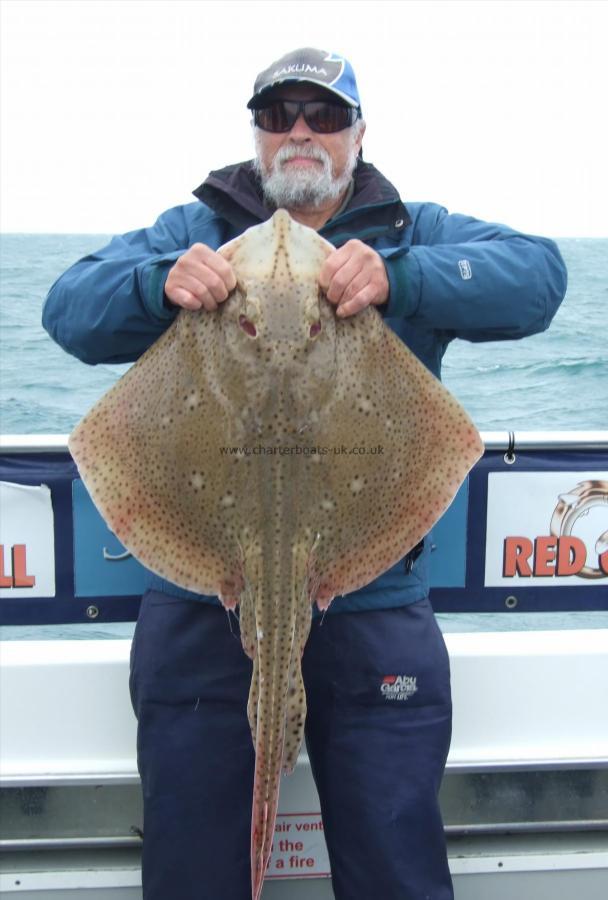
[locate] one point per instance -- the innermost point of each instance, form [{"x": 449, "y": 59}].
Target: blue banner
[{"x": 526, "y": 534}]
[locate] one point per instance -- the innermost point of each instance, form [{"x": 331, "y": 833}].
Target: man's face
[{"x": 300, "y": 167}]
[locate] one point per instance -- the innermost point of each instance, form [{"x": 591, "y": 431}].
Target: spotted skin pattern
[{"x": 302, "y": 511}]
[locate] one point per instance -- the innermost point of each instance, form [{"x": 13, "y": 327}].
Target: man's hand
[
  {"x": 200, "y": 278},
  {"x": 354, "y": 277}
]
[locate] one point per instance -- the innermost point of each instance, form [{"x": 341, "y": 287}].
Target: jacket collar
[{"x": 235, "y": 194}]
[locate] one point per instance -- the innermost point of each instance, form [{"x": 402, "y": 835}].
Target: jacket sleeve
[
  {"x": 109, "y": 306},
  {"x": 475, "y": 280}
]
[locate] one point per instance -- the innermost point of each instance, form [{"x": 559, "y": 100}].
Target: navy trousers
[{"x": 377, "y": 733}]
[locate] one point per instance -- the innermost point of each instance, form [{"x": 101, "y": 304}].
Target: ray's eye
[
  {"x": 248, "y": 326},
  {"x": 315, "y": 328}
]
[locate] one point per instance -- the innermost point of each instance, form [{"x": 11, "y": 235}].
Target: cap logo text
[{"x": 299, "y": 69}]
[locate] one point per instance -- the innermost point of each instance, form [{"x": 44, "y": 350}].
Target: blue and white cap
[{"x": 328, "y": 70}]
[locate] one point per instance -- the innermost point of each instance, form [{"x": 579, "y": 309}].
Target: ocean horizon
[{"x": 557, "y": 380}]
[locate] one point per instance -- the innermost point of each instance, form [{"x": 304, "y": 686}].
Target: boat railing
[{"x": 527, "y": 532}]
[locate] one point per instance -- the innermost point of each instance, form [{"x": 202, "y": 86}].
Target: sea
[{"x": 555, "y": 381}]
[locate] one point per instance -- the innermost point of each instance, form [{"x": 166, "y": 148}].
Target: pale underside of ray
[{"x": 274, "y": 454}]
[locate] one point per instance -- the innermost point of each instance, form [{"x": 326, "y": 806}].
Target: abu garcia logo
[{"x": 398, "y": 687}]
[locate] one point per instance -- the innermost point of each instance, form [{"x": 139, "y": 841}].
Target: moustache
[{"x": 305, "y": 151}]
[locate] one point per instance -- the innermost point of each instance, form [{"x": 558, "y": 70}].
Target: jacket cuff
[
  {"x": 153, "y": 275},
  {"x": 404, "y": 283}
]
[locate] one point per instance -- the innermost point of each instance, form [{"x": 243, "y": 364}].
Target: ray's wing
[
  {"x": 399, "y": 448},
  {"x": 150, "y": 455}
]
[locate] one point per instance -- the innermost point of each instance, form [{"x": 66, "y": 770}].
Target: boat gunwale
[{"x": 493, "y": 441}]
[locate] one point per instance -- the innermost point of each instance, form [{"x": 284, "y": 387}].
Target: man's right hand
[{"x": 200, "y": 278}]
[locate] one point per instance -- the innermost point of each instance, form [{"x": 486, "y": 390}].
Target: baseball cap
[{"x": 330, "y": 71}]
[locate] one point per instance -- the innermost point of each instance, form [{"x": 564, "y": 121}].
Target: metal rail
[
  {"x": 493, "y": 440},
  {"x": 472, "y": 830},
  {"x": 69, "y": 843}
]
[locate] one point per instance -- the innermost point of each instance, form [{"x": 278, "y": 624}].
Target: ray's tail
[
  {"x": 269, "y": 745},
  {"x": 273, "y": 630}
]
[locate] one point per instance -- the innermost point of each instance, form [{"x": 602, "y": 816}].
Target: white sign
[
  {"x": 27, "y": 542},
  {"x": 298, "y": 849},
  {"x": 546, "y": 529}
]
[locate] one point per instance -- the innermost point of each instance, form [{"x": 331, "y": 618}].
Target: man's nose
[{"x": 299, "y": 130}]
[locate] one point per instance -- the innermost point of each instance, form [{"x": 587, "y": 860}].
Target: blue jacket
[{"x": 450, "y": 276}]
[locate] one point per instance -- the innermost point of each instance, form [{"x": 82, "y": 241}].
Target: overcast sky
[{"x": 113, "y": 111}]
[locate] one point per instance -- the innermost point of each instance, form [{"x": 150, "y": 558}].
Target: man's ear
[{"x": 360, "y": 141}]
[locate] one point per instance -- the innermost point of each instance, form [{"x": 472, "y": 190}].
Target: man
[{"x": 434, "y": 277}]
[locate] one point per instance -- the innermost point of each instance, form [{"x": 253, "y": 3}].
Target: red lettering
[
  {"x": 300, "y": 862},
  {"x": 6, "y": 581},
  {"x": 571, "y": 555},
  {"x": 20, "y": 576},
  {"x": 549, "y": 555},
  {"x": 516, "y": 553},
  {"x": 285, "y": 846},
  {"x": 545, "y": 552}
]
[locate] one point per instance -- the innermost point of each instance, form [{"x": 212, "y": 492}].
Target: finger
[
  {"x": 341, "y": 279},
  {"x": 212, "y": 283},
  {"x": 362, "y": 299},
  {"x": 217, "y": 264},
  {"x": 199, "y": 290},
  {"x": 355, "y": 285},
  {"x": 224, "y": 270},
  {"x": 200, "y": 279},
  {"x": 371, "y": 284},
  {"x": 184, "y": 299},
  {"x": 332, "y": 263},
  {"x": 200, "y": 259}
]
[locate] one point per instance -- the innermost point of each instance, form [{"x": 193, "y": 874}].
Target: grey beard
[{"x": 304, "y": 187}]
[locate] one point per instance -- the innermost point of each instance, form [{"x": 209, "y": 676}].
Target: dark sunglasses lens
[
  {"x": 326, "y": 118},
  {"x": 278, "y": 117}
]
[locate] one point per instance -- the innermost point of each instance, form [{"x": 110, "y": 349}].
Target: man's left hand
[{"x": 354, "y": 277}]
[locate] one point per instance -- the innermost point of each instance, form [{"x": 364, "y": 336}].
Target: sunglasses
[{"x": 320, "y": 116}]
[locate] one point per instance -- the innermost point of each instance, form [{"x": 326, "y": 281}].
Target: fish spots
[
  {"x": 192, "y": 400},
  {"x": 197, "y": 480},
  {"x": 356, "y": 485},
  {"x": 228, "y": 500},
  {"x": 328, "y": 504}
]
